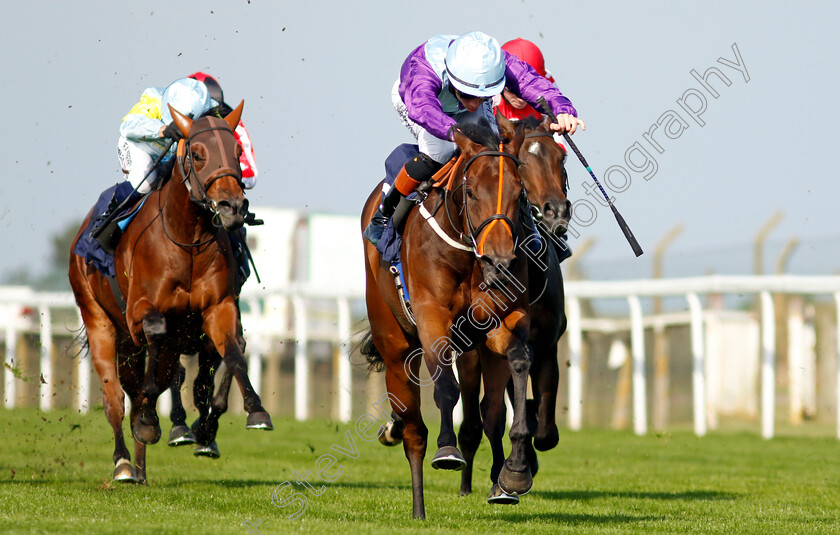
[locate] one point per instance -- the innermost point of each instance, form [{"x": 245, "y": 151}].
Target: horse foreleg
[
  {"x": 515, "y": 476},
  {"x": 405, "y": 401},
  {"x": 545, "y": 376},
  {"x": 495, "y": 373},
  {"x": 180, "y": 434},
  {"x": 210, "y": 409},
  {"x": 146, "y": 427},
  {"x": 103, "y": 354},
  {"x": 222, "y": 326},
  {"x": 140, "y": 462},
  {"x": 438, "y": 356},
  {"x": 469, "y": 435}
]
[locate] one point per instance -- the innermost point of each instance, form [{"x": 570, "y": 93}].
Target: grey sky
[{"x": 316, "y": 78}]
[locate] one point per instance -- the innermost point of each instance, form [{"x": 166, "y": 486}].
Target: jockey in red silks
[
  {"x": 516, "y": 109},
  {"x": 450, "y": 78},
  {"x": 144, "y": 133},
  {"x": 510, "y": 105},
  {"x": 246, "y": 161}
]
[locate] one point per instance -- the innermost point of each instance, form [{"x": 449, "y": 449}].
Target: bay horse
[
  {"x": 175, "y": 269},
  {"x": 545, "y": 180},
  {"x": 464, "y": 290}
]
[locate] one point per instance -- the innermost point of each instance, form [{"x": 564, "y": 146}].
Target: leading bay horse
[
  {"x": 465, "y": 282},
  {"x": 175, "y": 269},
  {"x": 545, "y": 180}
]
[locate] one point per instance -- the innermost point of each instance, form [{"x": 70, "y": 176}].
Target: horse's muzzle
[
  {"x": 497, "y": 270},
  {"x": 556, "y": 216},
  {"x": 232, "y": 213}
]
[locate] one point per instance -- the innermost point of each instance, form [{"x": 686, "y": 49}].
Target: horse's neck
[{"x": 184, "y": 220}]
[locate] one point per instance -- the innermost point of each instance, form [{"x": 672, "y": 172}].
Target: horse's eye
[
  {"x": 470, "y": 194},
  {"x": 197, "y": 156}
]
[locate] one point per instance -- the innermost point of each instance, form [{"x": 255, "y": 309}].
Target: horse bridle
[
  {"x": 474, "y": 233},
  {"x": 549, "y": 134},
  {"x": 191, "y": 182},
  {"x": 198, "y": 190}
]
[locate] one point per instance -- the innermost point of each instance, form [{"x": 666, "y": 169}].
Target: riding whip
[
  {"x": 637, "y": 249},
  {"x": 113, "y": 215}
]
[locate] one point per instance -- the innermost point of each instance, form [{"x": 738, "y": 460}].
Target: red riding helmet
[{"x": 527, "y": 52}]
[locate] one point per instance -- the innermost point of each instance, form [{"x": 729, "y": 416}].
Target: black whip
[{"x": 637, "y": 249}]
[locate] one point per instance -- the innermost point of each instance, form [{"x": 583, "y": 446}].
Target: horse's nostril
[{"x": 549, "y": 210}]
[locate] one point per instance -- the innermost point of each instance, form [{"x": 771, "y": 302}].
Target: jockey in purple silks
[{"x": 452, "y": 78}]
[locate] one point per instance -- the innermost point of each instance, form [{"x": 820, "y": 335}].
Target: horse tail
[{"x": 368, "y": 349}]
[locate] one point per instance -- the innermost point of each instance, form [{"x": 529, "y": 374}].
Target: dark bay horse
[
  {"x": 175, "y": 269},
  {"x": 467, "y": 286},
  {"x": 544, "y": 178},
  {"x": 545, "y": 181},
  {"x": 544, "y": 175}
]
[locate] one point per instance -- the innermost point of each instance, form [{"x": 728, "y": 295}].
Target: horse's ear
[
  {"x": 517, "y": 140},
  {"x": 506, "y": 127},
  {"x": 181, "y": 121},
  {"x": 464, "y": 143},
  {"x": 233, "y": 117}
]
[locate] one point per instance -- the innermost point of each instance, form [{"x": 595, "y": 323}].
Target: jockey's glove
[{"x": 173, "y": 132}]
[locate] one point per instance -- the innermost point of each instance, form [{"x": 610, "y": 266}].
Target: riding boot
[
  {"x": 376, "y": 227},
  {"x": 415, "y": 171},
  {"x": 109, "y": 236}
]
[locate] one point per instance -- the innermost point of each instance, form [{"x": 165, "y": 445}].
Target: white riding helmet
[
  {"x": 186, "y": 95},
  {"x": 475, "y": 65}
]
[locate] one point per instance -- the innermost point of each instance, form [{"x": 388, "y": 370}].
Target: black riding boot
[
  {"x": 374, "y": 230},
  {"x": 109, "y": 236},
  {"x": 415, "y": 171}
]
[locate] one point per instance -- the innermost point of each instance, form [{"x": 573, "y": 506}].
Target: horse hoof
[
  {"x": 515, "y": 482},
  {"x": 499, "y": 497},
  {"x": 547, "y": 440},
  {"x": 123, "y": 473},
  {"x": 448, "y": 458},
  {"x": 388, "y": 436},
  {"x": 211, "y": 450},
  {"x": 180, "y": 435},
  {"x": 145, "y": 433},
  {"x": 259, "y": 420}
]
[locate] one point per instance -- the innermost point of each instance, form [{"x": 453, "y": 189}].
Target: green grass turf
[{"x": 55, "y": 471}]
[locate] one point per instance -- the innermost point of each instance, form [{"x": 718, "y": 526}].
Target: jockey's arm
[
  {"x": 529, "y": 85},
  {"x": 143, "y": 122}
]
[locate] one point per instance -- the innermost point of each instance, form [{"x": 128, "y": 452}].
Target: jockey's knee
[{"x": 422, "y": 168}]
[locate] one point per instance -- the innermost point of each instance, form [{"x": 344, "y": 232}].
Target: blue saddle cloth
[
  {"x": 391, "y": 241},
  {"x": 88, "y": 248}
]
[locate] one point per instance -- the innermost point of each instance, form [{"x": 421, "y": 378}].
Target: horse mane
[
  {"x": 480, "y": 131},
  {"x": 529, "y": 123}
]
